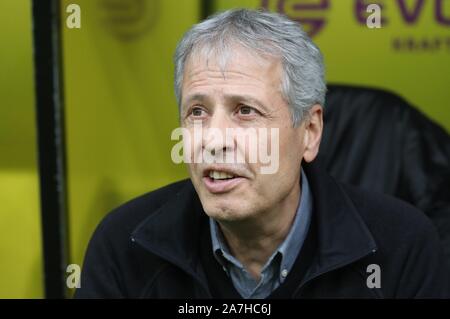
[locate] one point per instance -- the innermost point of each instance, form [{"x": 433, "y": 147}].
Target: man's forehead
[
  {"x": 236, "y": 81},
  {"x": 233, "y": 58}
]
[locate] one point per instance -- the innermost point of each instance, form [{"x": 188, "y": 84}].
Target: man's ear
[{"x": 313, "y": 133}]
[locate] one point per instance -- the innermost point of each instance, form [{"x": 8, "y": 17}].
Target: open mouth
[
  {"x": 217, "y": 175},
  {"x": 217, "y": 181}
]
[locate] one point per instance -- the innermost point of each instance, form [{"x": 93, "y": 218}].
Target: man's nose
[{"x": 215, "y": 140}]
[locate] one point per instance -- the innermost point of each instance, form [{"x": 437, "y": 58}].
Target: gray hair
[{"x": 302, "y": 83}]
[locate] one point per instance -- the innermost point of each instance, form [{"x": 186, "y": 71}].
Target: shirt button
[{"x": 284, "y": 273}]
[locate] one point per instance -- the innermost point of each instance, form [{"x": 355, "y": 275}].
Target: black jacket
[{"x": 150, "y": 247}]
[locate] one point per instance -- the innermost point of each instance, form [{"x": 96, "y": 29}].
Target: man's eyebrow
[
  {"x": 245, "y": 97},
  {"x": 202, "y": 98},
  {"x": 195, "y": 97}
]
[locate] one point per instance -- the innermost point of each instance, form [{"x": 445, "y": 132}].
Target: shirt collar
[{"x": 291, "y": 246}]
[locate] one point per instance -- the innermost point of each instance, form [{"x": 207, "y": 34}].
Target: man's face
[{"x": 246, "y": 95}]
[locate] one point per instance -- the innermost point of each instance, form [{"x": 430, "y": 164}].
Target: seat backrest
[{"x": 376, "y": 140}]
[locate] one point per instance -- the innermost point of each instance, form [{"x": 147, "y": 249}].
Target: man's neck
[{"x": 253, "y": 241}]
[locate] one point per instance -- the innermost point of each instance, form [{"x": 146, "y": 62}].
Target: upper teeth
[{"x": 219, "y": 175}]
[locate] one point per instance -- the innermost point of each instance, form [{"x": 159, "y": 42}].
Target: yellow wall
[
  {"x": 20, "y": 242},
  {"x": 120, "y": 108}
]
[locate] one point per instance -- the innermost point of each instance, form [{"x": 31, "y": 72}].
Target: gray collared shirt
[{"x": 279, "y": 264}]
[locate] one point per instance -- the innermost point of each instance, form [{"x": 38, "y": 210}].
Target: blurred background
[{"x": 119, "y": 106}]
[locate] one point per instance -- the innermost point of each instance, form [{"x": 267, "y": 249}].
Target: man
[{"x": 238, "y": 229}]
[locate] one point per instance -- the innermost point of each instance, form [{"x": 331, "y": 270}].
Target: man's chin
[{"x": 228, "y": 213}]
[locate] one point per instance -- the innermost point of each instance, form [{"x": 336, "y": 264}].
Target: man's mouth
[
  {"x": 217, "y": 175},
  {"x": 219, "y": 181}
]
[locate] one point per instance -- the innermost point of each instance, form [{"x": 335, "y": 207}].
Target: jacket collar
[
  {"x": 342, "y": 237},
  {"x": 173, "y": 231}
]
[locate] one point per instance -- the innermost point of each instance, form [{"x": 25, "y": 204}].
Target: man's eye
[
  {"x": 197, "y": 111},
  {"x": 247, "y": 110}
]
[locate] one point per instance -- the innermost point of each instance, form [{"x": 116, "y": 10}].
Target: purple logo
[
  {"x": 302, "y": 11},
  {"x": 311, "y": 13}
]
